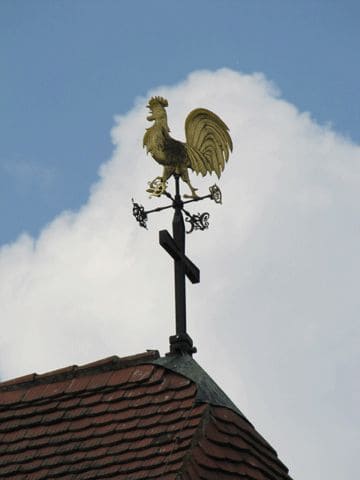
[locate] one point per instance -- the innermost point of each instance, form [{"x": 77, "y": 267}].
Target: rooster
[{"x": 206, "y": 150}]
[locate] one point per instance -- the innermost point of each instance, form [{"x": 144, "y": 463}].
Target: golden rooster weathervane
[{"x": 206, "y": 150}]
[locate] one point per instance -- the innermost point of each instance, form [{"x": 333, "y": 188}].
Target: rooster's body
[{"x": 207, "y": 146}]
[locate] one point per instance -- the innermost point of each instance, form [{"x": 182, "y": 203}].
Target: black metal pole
[{"x": 179, "y": 238}]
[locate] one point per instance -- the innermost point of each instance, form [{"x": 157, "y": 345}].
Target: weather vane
[{"x": 206, "y": 150}]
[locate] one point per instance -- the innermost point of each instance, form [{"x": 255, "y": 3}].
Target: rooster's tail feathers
[{"x": 208, "y": 142}]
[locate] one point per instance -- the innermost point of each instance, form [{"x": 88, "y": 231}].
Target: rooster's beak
[{"x": 150, "y": 117}]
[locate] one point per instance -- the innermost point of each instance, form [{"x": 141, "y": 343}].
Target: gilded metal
[
  {"x": 207, "y": 148},
  {"x": 157, "y": 187}
]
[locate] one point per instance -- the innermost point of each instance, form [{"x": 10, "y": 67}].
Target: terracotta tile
[
  {"x": 54, "y": 416},
  {"x": 137, "y": 392},
  {"x": 132, "y": 435},
  {"x": 177, "y": 382},
  {"x": 162, "y": 470},
  {"x": 69, "y": 403},
  {"x": 91, "y": 399},
  {"x": 120, "y": 377},
  {"x": 141, "y": 444},
  {"x": 64, "y": 448},
  {"x": 34, "y": 393},
  {"x": 119, "y": 449},
  {"x": 98, "y": 381},
  {"x": 97, "y": 409},
  {"x": 39, "y": 475},
  {"x": 163, "y": 397},
  {"x": 103, "y": 419},
  {"x": 73, "y": 413},
  {"x": 149, "y": 421},
  {"x": 157, "y": 377},
  {"x": 125, "y": 426},
  {"x": 32, "y": 465},
  {"x": 116, "y": 400},
  {"x": 110, "y": 470},
  {"x": 204, "y": 460},
  {"x": 52, "y": 430},
  {"x": 44, "y": 406},
  {"x": 55, "y": 389},
  {"x": 60, "y": 470},
  {"x": 193, "y": 422},
  {"x": 146, "y": 410},
  {"x": 11, "y": 396},
  {"x": 55, "y": 438},
  {"x": 102, "y": 430},
  {"x": 188, "y": 403},
  {"x": 141, "y": 373},
  {"x": 52, "y": 461},
  {"x": 198, "y": 410},
  {"x": 186, "y": 433},
  {"x": 170, "y": 406},
  {"x": 173, "y": 416},
  {"x": 186, "y": 392},
  {"x": 125, "y": 421},
  {"x": 81, "y": 424},
  {"x": 155, "y": 388},
  {"x": 78, "y": 384},
  {"x": 19, "y": 380}
]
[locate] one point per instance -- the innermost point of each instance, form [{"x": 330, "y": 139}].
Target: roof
[{"x": 133, "y": 418}]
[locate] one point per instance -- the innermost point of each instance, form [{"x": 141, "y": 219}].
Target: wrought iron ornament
[
  {"x": 139, "y": 213},
  {"x": 198, "y": 221},
  {"x": 206, "y": 150}
]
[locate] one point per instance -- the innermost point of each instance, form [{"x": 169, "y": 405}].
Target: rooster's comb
[{"x": 157, "y": 101}]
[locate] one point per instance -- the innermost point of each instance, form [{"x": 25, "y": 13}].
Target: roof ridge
[
  {"x": 208, "y": 391},
  {"x": 113, "y": 362},
  {"x": 197, "y": 436}
]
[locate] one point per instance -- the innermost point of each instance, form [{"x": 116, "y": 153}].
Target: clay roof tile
[{"x": 128, "y": 419}]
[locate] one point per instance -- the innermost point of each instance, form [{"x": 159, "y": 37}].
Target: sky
[{"x": 275, "y": 317}]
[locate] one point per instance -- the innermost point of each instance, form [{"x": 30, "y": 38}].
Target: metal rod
[
  {"x": 179, "y": 238},
  {"x": 197, "y": 199},
  {"x": 158, "y": 209}
]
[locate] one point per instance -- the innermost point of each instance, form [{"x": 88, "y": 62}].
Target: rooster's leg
[
  {"x": 167, "y": 172},
  {"x": 186, "y": 179}
]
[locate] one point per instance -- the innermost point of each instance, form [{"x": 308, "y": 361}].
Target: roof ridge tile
[{"x": 88, "y": 368}]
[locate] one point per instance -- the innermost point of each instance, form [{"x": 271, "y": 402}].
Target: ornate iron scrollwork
[
  {"x": 215, "y": 194},
  {"x": 140, "y": 214},
  {"x": 197, "y": 222}
]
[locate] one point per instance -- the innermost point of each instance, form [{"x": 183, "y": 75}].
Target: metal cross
[{"x": 183, "y": 266}]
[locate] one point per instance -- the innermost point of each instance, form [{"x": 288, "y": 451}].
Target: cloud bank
[{"x": 275, "y": 316}]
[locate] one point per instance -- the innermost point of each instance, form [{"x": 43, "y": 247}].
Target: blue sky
[
  {"x": 278, "y": 300},
  {"x": 67, "y": 67}
]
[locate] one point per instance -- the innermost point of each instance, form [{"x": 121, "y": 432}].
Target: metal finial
[{"x": 205, "y": 151}]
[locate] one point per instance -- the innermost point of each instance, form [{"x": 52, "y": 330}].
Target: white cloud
[{"x": 278, "y": 301}]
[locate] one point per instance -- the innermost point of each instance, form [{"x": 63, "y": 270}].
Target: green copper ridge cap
[{"x": 207, "y": 390}]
